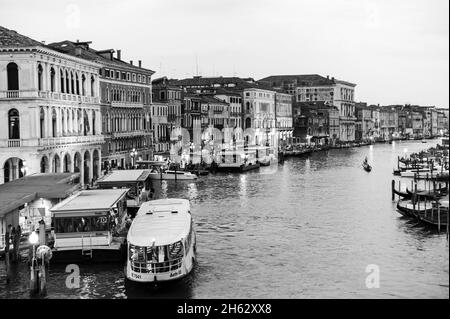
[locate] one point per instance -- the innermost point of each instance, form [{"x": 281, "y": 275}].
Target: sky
[{"x": 396, "y": 51}]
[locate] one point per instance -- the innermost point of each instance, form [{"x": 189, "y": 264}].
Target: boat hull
[
  {"x": 178, "y": 177},
  {"x": 237, "y": 169}
]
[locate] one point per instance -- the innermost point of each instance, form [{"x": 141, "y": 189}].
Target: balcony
[
  {"x": 10, "y": 143},
  {"x": 67, "y": 97},
  {"x": 66, "y": 140},
  {"x": 126, "y": 104},
  {"x": 24, "y": 94},
  {"x": 130, "y": 133},
  {"x": 17, "y": 94}
]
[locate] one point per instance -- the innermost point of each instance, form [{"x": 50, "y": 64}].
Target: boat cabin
[{"x": 89, "y": 220}]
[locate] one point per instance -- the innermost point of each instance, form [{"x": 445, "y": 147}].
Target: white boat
[
  {"x": 172, "y": 175},
  {"x": 161, "y": 242}
]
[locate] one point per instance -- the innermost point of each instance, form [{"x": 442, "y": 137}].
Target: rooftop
[
  {"x": 90, "y": 54},
  {"x": 10, "y": 38},
  {"x": 24, "y": 190},
  {"x": 302, "y": 80},
  {"x": 125, "y": 176},
  {"x": 98, "y": 199}
]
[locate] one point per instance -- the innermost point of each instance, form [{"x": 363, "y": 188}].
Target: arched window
[
  {"x": 72, "y": 84},
  {"x": 14, "y": 124},
  {"x": 77, "y": 84},
  {"x": 42, "y": 123},
  {"x": 74, "y": 126},
  {"x": 63, "y": 124},
  {"x": 93, "y": 123},
  {"x": 86, "y": 123},
  {"x": 52, "y": 79},
  {"x": 248, "y": 122},
  {"x": 54, "y": 123},
  {"x": 61, "y": 75},
  {"x": 83, "y": 85},
  {"x": 67, "y": 82},
  {"x": 92, "y": 86},
  {"x": 13, "y": 76},
  {"x": 40, "y": 75}
]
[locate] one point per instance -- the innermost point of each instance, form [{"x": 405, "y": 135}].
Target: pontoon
[{"x": 87, "y": 225}]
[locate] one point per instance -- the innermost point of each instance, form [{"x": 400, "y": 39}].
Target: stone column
[{"x": 82, "y": 168}]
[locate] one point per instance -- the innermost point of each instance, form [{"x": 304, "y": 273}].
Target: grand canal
[{"x": 308, "y": 229}]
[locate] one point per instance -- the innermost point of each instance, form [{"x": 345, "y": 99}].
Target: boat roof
[
  {"x": 125, "y": 176},
  {"x": 90, "y": 200},
  {"x": 165, "y": 221},
  {"x": 161, "y": 163}
]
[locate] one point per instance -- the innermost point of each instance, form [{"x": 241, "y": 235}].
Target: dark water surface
[{"x": 308, "y": 229}]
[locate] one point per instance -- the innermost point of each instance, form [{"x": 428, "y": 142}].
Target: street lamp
[{"x": 133, "y": 154}]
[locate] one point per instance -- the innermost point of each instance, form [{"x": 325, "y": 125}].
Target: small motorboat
[{"x": 367, "y": 167}]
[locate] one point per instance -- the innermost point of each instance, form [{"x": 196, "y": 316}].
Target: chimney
[
  {"x": 332, "y": 78},
  {"x": 131, "y": 62},
  {"x": 77, "y": 51},
  {"x": 328, "y": 77},
  {"x": 140, "y": 63},
  {"x": 119, "y": 54}
]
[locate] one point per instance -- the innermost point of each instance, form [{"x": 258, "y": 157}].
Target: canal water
[{"x": 309, "y": 228}]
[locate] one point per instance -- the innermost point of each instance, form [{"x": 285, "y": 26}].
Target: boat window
[
  {"x": 81, "y": 224},
  {"x": 175, "y": 250}
]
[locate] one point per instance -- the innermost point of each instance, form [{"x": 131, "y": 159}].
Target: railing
[
  {"x": 51, "y": 141},
  {"x": 156, "y": 267},
  {"x": 15, "y": 94},
  {"x": 14, "y": 143},
  {"x": 12, "y": 94},
  {"x": 67, "y": 97},
  {"x": 131, "y": 133},
  {"x": 126, "y": 104}
]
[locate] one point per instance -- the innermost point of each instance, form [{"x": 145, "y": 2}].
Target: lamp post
[
  {"x": 34, "y": 285},
  {"x": 133, "y": 154}
]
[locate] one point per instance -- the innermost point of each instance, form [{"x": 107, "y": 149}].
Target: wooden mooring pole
[
  {"x": 392, "y": 190},
  {"x": 7, "y": 259},
  {"x": 439, "y": 218}
]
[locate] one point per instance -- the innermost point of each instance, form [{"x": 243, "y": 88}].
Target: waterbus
[
  {"x": 88, "y": 225},
  {"x": 159, "y": 171},
  {"x": 161, "y": 242}
]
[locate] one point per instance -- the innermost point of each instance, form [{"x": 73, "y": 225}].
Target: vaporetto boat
[
  {"x": 161, "y": 242},
  {"x": 172, "y": 175}
]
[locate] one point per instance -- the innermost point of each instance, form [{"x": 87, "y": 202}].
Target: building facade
[
  {"x": 49, "y": 102},
  {"x": 315, "y": 88},
  {"x": 125, "y": 98},
  {"x": 164, "y": 92},
  {"x": 283, "y": 117}
]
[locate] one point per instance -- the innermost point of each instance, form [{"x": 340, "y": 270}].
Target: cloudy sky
[{"x": 396, "y": 51}]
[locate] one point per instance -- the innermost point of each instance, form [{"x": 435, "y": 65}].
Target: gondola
[
  {"x": 367, "y": 167},
  {"x": 407, "y": 195}
]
